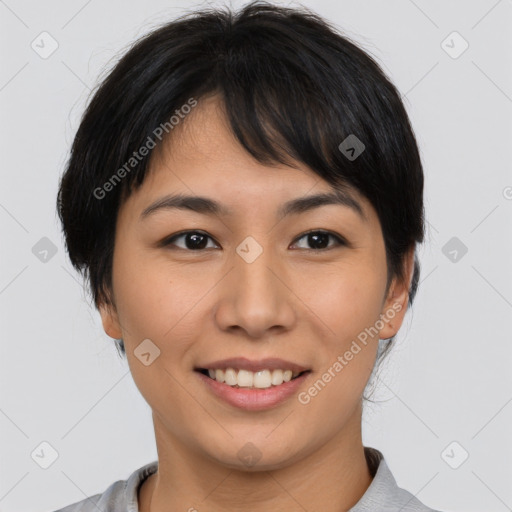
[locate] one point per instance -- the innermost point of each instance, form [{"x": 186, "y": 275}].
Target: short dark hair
[{"x": 292, "y": 87}]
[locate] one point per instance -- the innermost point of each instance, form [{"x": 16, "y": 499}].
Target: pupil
[
  {"x": 195, "y": 245},
  {"x": 313, "y": 240}
]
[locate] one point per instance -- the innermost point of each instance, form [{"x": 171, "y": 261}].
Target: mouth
[
  {"x": 240, "y": 378},
  {"x": 260, "y": 390}
]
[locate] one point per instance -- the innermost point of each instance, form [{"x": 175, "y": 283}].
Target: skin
[{"x": 206, "y": 304}]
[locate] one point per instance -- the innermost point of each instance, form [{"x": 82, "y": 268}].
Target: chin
[{"x": 253, "y": 455}]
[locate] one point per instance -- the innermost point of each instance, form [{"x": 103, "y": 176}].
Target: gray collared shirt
[{"x": 383, "y": 494}]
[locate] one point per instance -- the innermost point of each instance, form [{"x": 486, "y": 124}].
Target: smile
[
  {"x": 252, "y": 391},
  {"x": 247, "y": 379}
]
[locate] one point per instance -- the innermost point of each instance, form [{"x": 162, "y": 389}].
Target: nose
[{"x": 255, "y": 297}]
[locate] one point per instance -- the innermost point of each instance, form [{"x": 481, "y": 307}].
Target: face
[{"x": 193, "y": 287}]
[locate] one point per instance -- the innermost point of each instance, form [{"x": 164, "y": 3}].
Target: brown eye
[
  {"x": 192, "y": 240},
  {"x": 319, "y": 240}
]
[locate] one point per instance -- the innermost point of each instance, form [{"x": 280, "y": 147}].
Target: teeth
[{"x": 247, "y": 379}]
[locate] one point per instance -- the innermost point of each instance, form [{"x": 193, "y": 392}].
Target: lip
[
  {"x": 254, "y": 399},
  {"x": 242, "y": 363}
]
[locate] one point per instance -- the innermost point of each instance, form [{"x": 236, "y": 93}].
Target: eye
[
  {"x": 194, "y": 240},
  {"x": 197, "y": 240},
  {"x": 319, "y": 239}
]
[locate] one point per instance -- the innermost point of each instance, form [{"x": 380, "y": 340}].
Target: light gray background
[{"x": 448, "y": 378}]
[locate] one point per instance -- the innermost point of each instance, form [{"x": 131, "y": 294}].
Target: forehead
[
  {"x": 205, "y": 146},
  {"x": 201, "y": 158}
]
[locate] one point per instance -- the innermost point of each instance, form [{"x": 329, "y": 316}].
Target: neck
[{"x": 187, "y": 480}]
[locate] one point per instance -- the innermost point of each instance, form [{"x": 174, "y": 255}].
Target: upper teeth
[{"x": 247, "y": 379}]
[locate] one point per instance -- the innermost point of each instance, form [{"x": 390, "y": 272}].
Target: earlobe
[{"x": 110, "y": 321}]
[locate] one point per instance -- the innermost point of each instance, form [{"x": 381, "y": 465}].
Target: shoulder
[
  {"x": 383, "y": 494},
  {"x": 121, "y": 496}
]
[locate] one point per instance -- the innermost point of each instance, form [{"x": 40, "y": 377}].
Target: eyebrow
[{"x": 207, "y": 206}]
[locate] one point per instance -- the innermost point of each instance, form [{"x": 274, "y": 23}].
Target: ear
[
  {"x": 110, "y": 321},
  {"x": 396, "y": 301}
]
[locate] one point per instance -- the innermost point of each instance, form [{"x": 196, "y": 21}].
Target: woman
[{"x": 245, "y": 196}]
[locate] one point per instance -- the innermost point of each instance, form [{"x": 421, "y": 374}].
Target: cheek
[
  {"x": 347, "y": 300},
  {"x": 349, "y": 306},
  {"x": 139, "y": 300},
  {"x": 155, "y": 302},
  {"x": 159, "y": 301}
]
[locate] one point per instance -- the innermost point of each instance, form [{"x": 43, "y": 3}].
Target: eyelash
[{"x": 170, "y": 240}]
